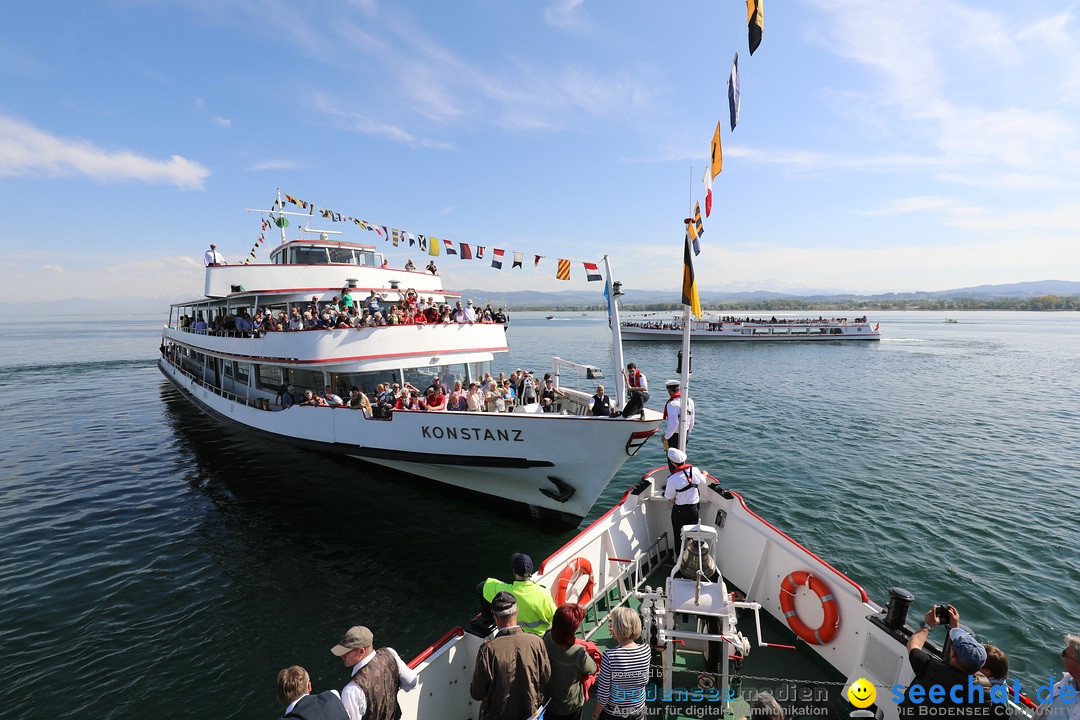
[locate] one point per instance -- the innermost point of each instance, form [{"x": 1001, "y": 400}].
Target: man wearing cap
[
  {"x": 511, "y": 668},
  {"x": 671, "y": 414},
  {"x": 213, "y": 257},
  {"x": 682, "y": 491},
  {"x": 376, "y": 677},
  {"x": 294, "y": 692},
  {"x": 470, "y": 312},
  {"x": 535, "y": 607},
  {"x": 961, "y": 688}
]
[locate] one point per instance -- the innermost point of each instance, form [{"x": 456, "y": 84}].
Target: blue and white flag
[{"x": 733, "y": 96}]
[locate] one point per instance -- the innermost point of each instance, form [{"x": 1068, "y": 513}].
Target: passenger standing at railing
[
  {"x": 287, "y": 396},
  {"x": 624, "y": 670},
  {"x": 457, "y": 401},
  {"x": 474, "y": 399},
  {"x": 296, "y": 322},
  {"x": 377, "y": 676},
  {"x": 570, "y": 663},
  {"x": 511, "y": 669}
]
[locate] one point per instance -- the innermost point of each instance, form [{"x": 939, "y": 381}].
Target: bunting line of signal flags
[
  {"x": 431, "y": 245},
  {"x": 755, "y": 22}
]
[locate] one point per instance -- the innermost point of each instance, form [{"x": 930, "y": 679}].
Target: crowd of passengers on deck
[
  {"x": 492, "y": 394},
  {"x": 338, "y": 313},
  {"x": 676, "y": 325}
]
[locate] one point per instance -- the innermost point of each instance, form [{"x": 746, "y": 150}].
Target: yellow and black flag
[
  {"x": 755, "y": 21},
  {"x": 689, "y": 283},
  {"x": 716, "y": 153}
]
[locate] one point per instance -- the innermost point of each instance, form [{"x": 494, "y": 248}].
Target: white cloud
[
  {"x": 26, "y": 151},
  {"x": 222, "y": 122},
  {"x": 54, "y": 269},
  {"x": 567, "y": 15},
  {"x": 912, "y": 205}
]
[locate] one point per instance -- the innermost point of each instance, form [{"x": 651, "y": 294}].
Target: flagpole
[
  {"x": 684, "y": 374},
  {"x": 616, "y": 335}
]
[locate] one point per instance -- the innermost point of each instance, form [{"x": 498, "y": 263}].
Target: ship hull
[{"x": 551, "y": 465}]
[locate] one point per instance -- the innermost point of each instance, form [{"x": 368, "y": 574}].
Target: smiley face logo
[{"x": 862, "y": 693}]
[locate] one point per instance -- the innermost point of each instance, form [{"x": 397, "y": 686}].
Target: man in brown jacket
[{"x": 511, "y": 668}]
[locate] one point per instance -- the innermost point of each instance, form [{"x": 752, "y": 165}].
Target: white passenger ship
[
  {"x": 554, "y": 463},
  {"x": 747, "y": 329}
]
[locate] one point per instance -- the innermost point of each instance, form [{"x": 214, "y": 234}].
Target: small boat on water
[
  {"x": 747, "y": 329},
  {"x": 238, "y": 367},
  {"x": 951, "y": 320},
  {"x": 738, "y": 607}
]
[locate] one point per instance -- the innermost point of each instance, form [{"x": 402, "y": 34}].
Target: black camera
[{"x": 943, "y": 614}]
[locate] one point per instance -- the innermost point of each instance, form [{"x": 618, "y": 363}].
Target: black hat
[
  {"x": 503, "y": 601},
  {"x": 521, "y": 563}
]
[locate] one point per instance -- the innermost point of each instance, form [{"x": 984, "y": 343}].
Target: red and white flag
[{"x": 708, "y": 189}]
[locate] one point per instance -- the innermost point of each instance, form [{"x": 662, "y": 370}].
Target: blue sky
[{"x": 926, "y": 144}]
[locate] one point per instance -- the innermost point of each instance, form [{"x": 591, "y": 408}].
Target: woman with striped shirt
[{"x": 624, "y": 671}]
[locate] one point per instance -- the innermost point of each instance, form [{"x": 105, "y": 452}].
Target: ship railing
[
  {"x": 261, "y": 403},
  {"x": 619, "y": 568},
  {"x": 624, "y": 584}
]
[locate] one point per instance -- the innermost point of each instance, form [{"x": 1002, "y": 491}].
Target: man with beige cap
[{"x": 376, "y": 677}]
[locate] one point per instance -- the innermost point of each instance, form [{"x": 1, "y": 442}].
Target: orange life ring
[
  {"x": 829, "y": 625},
  {"x": 569, "y": 577}
]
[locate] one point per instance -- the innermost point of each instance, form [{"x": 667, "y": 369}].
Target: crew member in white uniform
[
  {"x": 671, "y": 414},
  {"x": 213, "y": 257},
  {"x": 682, "y": 491}
]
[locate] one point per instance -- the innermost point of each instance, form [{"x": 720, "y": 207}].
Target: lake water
[{"x": 154, "y": 561}]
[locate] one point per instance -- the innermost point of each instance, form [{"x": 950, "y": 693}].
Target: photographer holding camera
[{"x": 962, "y": 658}]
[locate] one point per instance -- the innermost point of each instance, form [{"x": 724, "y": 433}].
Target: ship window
[
  {"x": 306, "y": 380},
  {"x": 365, "y": 381},
  {"x": 309, "y": 256},
  {"x": 341, "y": 255},
  {"x": 242, "y": 370},
  {"x": 269, "y": 377},
  {"x": 367, "y": 259},
  {"x": 420, "y": 379}
]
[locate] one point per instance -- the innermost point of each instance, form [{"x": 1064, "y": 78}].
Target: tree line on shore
[{"x": 1040, "y": 303}]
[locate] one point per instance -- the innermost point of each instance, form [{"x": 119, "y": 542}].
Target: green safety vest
[{"x": 535, "y": 606}]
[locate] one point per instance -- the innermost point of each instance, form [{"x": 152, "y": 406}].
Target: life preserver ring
[
  {"x": 829, "y": 625},
  {"x": 569, "y": 580}
]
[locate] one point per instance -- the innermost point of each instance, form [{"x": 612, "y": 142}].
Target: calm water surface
[{"x": 153, "y": 559}]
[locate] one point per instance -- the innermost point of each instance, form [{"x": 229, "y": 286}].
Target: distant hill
[
  {"x": 578, "y": 298},
  {"x": 569, "y": 299}
]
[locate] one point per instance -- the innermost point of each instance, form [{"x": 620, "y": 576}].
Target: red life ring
[
  {"x": 829, "y": 625},
  {"x": 569, "y": 578}
]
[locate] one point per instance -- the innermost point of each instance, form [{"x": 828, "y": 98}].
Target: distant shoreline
[{"x": 1040, "y": 304}]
